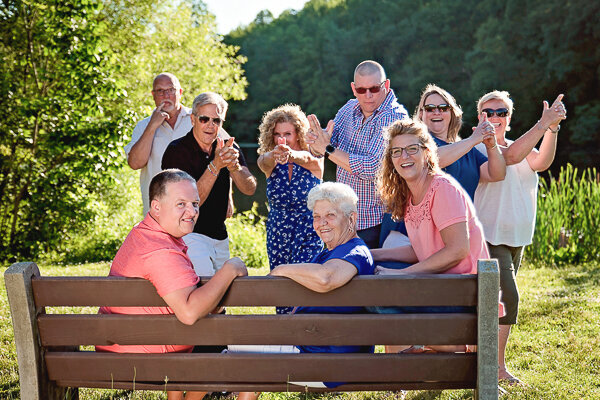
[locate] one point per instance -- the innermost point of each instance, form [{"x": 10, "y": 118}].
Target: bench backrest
[{"x": 54, "y": 332}]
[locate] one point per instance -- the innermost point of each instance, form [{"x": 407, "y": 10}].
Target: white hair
[{"x": 339, "y": 194}]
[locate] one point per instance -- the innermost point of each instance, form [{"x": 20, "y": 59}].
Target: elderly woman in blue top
[
  {"x": 345, "y": 255},
  {"x": 443, "y": 117}
]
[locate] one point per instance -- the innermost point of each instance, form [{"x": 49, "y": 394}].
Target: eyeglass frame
[
  {"x": 393, "y": 150},
  {"x": 490, "y": 112},
  {"x": 161, "y": 92},
  {"x": 217, "y": 121},
  {"x": 433, "y": 107},
  {"x": 372, "y": 89}
]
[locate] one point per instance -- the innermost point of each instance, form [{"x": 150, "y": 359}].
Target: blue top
[
  {"x": 466, "y": 169},
  {"x": 356, "y": 252}
]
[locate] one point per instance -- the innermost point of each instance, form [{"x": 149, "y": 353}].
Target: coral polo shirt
[{"x": 151, "y": 253}]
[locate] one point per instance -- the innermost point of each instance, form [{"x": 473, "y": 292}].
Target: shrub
[
  {"x": 247, "y": 237},
  {"x": 567, "y": 218}
]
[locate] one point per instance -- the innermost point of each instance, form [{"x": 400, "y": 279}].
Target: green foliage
[
  {"x": 567, "y": 218},
  {"x": 534, "y": 49},
  {"x": 57, "y": 139},
  {"x": 75, "y": 77},
  {"x": 247, "y": 237}
]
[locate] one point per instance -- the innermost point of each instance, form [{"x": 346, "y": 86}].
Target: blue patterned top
[{"x": 290, "y": 234}]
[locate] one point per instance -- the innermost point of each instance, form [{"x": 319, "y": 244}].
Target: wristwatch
[{"x": 328, "y": 150}]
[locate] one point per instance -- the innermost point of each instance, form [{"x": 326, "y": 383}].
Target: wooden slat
[
  {"x": 408, "y": 290},
  {"x": 301, "y": 329},
  {"x": 266, "y": 387},
  {"x": 261, "y": 368}
]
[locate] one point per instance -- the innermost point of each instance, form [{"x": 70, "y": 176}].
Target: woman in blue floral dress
[{"x": 291, "y": 172}]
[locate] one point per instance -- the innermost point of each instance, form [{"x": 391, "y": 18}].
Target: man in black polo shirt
[{"x": 214, "y": 163}]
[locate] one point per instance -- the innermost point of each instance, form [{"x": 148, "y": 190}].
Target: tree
[{"x": 75, "y": 77}]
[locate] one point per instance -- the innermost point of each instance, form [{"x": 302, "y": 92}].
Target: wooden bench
[{"x": 51, "y": 360}]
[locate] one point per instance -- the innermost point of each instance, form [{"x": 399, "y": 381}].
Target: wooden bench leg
[
  {"x": 33, "y": 378},
  {"x": 487, "y": 330}
]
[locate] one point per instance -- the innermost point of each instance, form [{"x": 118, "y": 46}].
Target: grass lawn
[{"x": 555, "y": 348}]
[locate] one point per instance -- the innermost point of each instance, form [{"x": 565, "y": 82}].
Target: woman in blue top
[
  {"x": 334, "y": 214},
  {"x": 443, "y": 117},
  {"x": 291, "y": 173}
]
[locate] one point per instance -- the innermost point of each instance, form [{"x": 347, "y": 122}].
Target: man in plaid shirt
[{"x": 354, "y": 141}]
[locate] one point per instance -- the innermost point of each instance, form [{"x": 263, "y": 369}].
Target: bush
[
  {"x": 113, "y": 212},
  {"x": 247, "y": 237},
  {"x": 567, "y": 223}
]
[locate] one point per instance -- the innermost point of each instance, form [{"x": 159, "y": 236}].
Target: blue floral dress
[{"x": 290, "y": 234}]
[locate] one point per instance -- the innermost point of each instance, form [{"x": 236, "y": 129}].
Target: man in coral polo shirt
[{"x": 154, "y": 250}]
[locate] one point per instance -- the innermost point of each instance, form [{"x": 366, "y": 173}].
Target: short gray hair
[
  {"x": 211, "y": 98},
  {"x": 369, "y": 67},
  {"x": 337, "y": 193}
]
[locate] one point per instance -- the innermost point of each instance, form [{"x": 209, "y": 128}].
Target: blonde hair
[
  {"x": 455, "y": 110},
  {"x": 286, "y": 113},
  {"x": 393, "y": 189},
  {"x": 503, "y": 96}
]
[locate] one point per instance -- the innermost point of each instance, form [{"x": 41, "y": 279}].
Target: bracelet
[
  {"x": 493, "y": 147},
  {"x": 554, "y": 131},
  {"x": 211, "y": 171}
]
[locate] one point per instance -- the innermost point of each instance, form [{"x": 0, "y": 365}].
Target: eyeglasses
[
  {"x": 440, "y": 107},
  {"x": 396, "y": 152},
  {"x": 204, "y": 119},
  {"x": 372, "y": 89},
  {"x": 161, "y": 92},
  {"x": 501, "y": 112}
]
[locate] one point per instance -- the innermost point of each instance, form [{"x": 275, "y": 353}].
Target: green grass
[{"x": 554, "y": 348}]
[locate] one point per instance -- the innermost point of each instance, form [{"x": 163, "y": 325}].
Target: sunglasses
[
  {"x": 396, "y": 152},
  {"x": 439, "y": 107},
  {"x": 501, "y": 112},
  {"x": 372, "y": 89},
  {"x": 204, "y": 119}
]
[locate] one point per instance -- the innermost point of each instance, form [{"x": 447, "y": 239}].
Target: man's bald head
[
  {"x": 168, "y": 75},
  {"x": 368, "y": 68}
]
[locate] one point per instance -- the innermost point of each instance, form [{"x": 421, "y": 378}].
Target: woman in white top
[{"x": 507, "y": 208}]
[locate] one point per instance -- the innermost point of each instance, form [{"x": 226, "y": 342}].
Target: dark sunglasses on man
[
  {"x": 204, "y": 119},
  {"x": 372, "y": 89}
]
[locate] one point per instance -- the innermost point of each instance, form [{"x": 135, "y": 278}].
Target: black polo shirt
[{"x": 185, "y": 153}]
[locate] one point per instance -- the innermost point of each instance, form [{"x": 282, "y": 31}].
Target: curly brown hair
[
  {"x": 286, "y": 113},
  {"x": 455, "y": 110},
  {"x": 393, "y": 189}
]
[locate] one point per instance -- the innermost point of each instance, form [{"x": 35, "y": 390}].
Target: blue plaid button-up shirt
[{"x": 364, "y": 143}]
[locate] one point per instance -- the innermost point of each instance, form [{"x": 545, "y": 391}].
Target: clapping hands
[{"x": 226, "y": 155}]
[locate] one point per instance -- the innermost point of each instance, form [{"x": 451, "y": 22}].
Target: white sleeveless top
[{"x": 507, "y": 208}]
